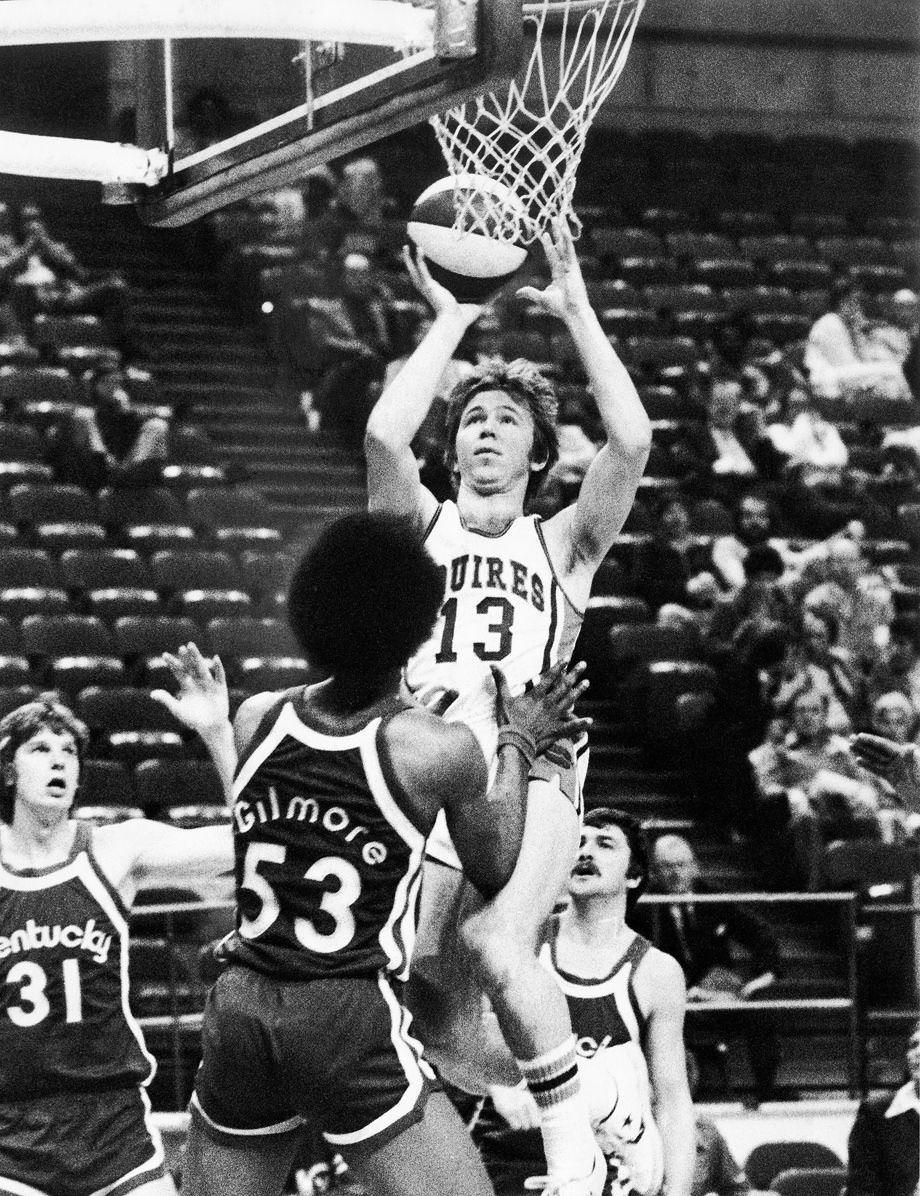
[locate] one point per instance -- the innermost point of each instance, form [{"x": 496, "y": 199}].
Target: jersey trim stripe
[
  {"x": 153, "y": 1163},
  {"x": 538, "y": 528},
  {"x": 100, "y": 892},
  {"x": 47, "y": 880},
  {"x": 279, "y": 1127},
  {"x": 549, "y": 651},
  {"x": 407, "y": 1051},
  {"x": 397, "y": 935},
  {"x": 19, "y": 1189},
  {"x": 617, "y": 986},
  {"x": 432, "y": 521}
]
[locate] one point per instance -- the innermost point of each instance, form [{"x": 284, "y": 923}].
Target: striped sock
[{"x": 568, "y": 1140}]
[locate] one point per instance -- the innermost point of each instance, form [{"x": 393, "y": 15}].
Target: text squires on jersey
[
  {"x": 248, "y": 814},
  {"x": 492, "y": 573}
]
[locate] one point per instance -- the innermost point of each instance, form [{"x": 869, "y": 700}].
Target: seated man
[
  {"x": 704, "y": 938},
  {"x": 828, "y": 794},
  {"x": 884, "y": 1147}
]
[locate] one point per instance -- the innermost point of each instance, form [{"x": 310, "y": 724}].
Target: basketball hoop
[{"x": 531, "y": 137}]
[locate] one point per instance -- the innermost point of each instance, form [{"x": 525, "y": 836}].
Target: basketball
[{"x": 472, "y": 264}]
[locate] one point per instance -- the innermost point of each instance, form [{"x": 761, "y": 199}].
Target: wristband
[{"x": 521, "y": 741}]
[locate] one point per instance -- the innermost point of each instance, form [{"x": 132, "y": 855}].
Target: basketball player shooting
[{"x": 517, "y": 588}]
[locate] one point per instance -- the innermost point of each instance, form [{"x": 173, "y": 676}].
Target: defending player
[
  {"x": 516, "y": 590},
  {"x": 337, "y": 786},
  {"x": 74, "y": 1114},
  {"x": 626, "y": 999}
]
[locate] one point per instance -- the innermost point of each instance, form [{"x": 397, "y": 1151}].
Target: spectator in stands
[
  {"x": 884, "y": 1145},
  {"x": 664, "y": 565},
  {"x": 705, "y": 939},
  {"x": 722, "y": 455},
  {"x": 842, "y": 357},
  {"x": 755, "y": 524},
  {"x": 353, "y": 341},
  {"x": 109, "y": 444},
  {"x": 895, "y": 718},
  {"x": 816, "y": 661},
  {"x": 356, "y": 221},
  {"x": 758, "y": 603},
  {"x": 563, "y": 482},
  {"x": 896, "y": 333},
  {"x": 806, "y": 439},
  {"x": 54, "y": 282},
  {"x": 829, "y": 795},
  {"x": 898, "y": 665},
  {"x": 208, "y": 118}
]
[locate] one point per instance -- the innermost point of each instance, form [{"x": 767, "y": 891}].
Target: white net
[{"x": 531, "y": 137}]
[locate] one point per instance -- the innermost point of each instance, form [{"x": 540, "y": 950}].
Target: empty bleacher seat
[
  {"x": 800, "y": 274},
  {"x": 37, "y": 390},
  {"x": 643, "y": 270},
  {"x": 604, "y": 612},
  {"x": 111, "y": 581},
  {"x": 810, "y": 1181},
  {"x": 146, "y": 517},
  {"x": 263, "y": 673},
  {"x": 233, "y": 517},
  {"x": 19, "y": 442},
  {"x": 725, "y": 271},
  {"x": 59, "y": 515},
  {"x": 71, "y": 651},
  {"x": 13, "y": 696},
  {"x": 142, "y": 640},
  {"x": 105, "y": 783},
  {"x": 163, "y": 784},
  {"x": 768, "y": 1159},
  {"x": 611, "y": 244},
  {"x": 128, "y": 725}
]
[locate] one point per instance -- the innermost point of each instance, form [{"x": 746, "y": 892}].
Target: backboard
[{"x": 336, "y": 93}]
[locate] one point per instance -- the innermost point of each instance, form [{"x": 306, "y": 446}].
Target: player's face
[
  {"x": 494, "y": 442},
  {"x": 46, "y": 768},
  {"x": 602, "y": 864}
]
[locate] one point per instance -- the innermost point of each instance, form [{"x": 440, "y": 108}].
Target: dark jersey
[
  {"x": 65, "y": 1024},
  {"x": 328, "y": 865}
]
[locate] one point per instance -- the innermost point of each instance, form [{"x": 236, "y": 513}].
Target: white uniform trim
[
  {"x": 402, "y": 1044},
  {"x": 616, "y": 986},
  {"x": 18, "y": 1189},
  {"x": 279, "y": 1127}
]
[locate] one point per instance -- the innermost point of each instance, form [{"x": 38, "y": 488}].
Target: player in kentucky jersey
[
  {"x": 626, "y": 1000},
  {"x": 336, "y": 788},
  {"x": 74, "y": 1115},
  {"x": 515, "y": 590}
]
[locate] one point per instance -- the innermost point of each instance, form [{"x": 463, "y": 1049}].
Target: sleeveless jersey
[
  {"x": 65, "y": 1024},
  {"x": 605, "y": 1012},
  {"x": 503, "y": 605},
  {"x": 328, "y": 865}
]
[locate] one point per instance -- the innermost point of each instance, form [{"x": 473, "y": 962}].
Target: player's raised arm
[
  {"x": 610, "y": 485},
  {"x": 393, "y": 483}
]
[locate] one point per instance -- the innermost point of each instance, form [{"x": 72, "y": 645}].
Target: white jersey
[{"x": 503, "y": 605}]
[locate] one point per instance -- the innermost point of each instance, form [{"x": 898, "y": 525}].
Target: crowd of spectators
[{"x": 787, "y": 463}]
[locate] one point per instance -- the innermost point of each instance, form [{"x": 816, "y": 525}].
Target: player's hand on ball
[
  {"x": 515, "y": 1106},
  {"x": 566, "y": 295},
  {"x": 891, "y": 761},
  {"x": 202, "y": 703},
  {"x": 439, "y": 298},
  {"x": 546, "y": 712}
]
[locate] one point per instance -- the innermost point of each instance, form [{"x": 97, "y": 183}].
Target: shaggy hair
[
  {"x": 522, "y": 382},
  {"x": 46, "y": 712},
  {"x": 364, "y": 597}
]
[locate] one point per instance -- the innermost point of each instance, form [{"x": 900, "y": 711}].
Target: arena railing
[{"x": 860, "y": 1019}]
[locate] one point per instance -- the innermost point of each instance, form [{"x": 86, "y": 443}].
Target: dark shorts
[
  {"x": 335, "y": 1052},
  {"x": 79, "y": 1144}
]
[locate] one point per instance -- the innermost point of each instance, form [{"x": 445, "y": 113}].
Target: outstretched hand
[
  {"x": 566, "y": 295},
  {"x": 203, "y": 703},
  {"x": 545, "y": 712},
  {"x": 888, "y": 759},
  {"x": 439, "y": 298}
]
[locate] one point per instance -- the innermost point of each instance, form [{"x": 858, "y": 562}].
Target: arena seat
[
  {"x": 128, "y": 725},
  {"x": 19, "y": 602},
  {"x": 628, "y": 321},
  {"x": 147, "y": 518},
  {"x": 19, "y": 442},
  {"x": 656, "y": 352},
  {"x": 111, "y": 581},
  {"x": 777, "y": 247},
  {"x": 251, "y": 636},
  {"x": 843, "y": 252},
  {"x": 37, "y": 390},
  {"x": 666, "y": 219},
  {"x": 697, "y": 323},
  {"x": 710, "y": 517},
  {"x": 160, "y": 979},
  {"x": 781, "y": 327},
  {"x": 634, "y": 645},
  {"x": 9, "y": 636},
  {"x": 162, "y": 784},
  {"x": 689, "y": 246},
  {"x": 142, "y": 640},
  {"x": 175, "y": 570},
  {"x": 233, "y": 517},
  {"x": 267, "y": 571},
  {"x": 614, "y": 292},
  {"x": 818, "y": 224},
  {"x": 810, "y": 1181},
  {"x": 642, "y": 270},
  {"x": 593, "y": 645},
  {"x": 726, "y": 271},
  {"x": 800, "y": 274},
  {"x": 762, "y": 298},
  {"x": 612, "y": 244},
  {"x": 745, "y": 222},
  {"x": 71, "y": 651},
  {"x": 28, "y": 567},
  {"x": 59, "y": 515},
  {"x": 12, "y": 696},
  {"x": 105, "y": 783},
  {"x": 769, "y": 1159},
  {"x": 879, "y": 279},
  {"x": 683, "y": 296},
  {"x": 260, "y": 673}
]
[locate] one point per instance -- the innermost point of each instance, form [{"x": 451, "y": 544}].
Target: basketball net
[{"x": 531, "y": 138}]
